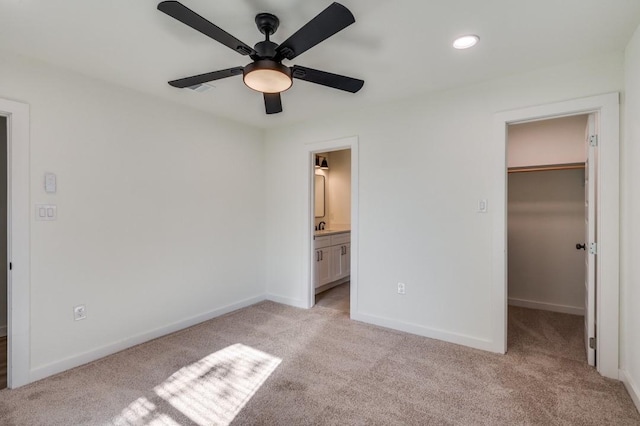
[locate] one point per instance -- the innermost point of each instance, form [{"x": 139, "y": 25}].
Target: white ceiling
[{"x": 400, "y": 48}]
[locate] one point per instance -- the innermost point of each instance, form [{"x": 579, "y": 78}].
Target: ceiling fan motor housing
[{"x": 264, "y": 49}]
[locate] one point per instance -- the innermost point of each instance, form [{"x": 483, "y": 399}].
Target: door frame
[
  {"x": 607, "y": 212},
  {"x": 311, "y": 149},
  {"x": 18, "y": 222}
]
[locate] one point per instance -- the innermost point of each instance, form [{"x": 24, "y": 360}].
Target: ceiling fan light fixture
[
  {"x": 466, "y": 41},
  {"x": 267, "y": 76}
]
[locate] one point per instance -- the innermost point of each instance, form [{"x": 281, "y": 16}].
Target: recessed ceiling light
[{"x": 466, "y": 41}]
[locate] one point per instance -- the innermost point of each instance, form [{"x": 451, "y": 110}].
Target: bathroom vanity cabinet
[{"x": 332, "y": 261}]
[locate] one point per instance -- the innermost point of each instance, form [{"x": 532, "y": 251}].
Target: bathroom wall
[
  {"x": 337, "y": 190},
  {"x": 327, "y": 200},
  {"x": 340, "y": 189}
]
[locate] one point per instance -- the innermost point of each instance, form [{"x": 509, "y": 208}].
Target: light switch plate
[{"x": 46, "y": 212}]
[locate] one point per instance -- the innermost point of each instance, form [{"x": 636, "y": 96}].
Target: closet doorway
[
  {"x": 331, "y": 263},
  {"x": 551, "y": 219}
]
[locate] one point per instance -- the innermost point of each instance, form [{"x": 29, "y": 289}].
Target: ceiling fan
[{"x": 266, "y": 73}]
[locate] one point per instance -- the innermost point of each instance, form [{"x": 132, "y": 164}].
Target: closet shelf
[{"x": 546, "y": 167}]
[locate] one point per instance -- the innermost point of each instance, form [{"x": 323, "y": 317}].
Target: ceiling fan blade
[
  {"x": 188, "y": 17},
  {"x": 328, "y": 79},
  {"x": 204, "y": 78},
  {"x": 272, "y": 103},
  {"x": 334, "y": 18}
]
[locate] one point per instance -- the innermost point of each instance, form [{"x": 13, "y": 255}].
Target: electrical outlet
[
  {"x": 400, "y": 288},
  {"x": 79, "y": 312}
]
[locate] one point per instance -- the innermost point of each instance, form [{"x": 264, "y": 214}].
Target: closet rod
[{"x": 547, "y": 167}]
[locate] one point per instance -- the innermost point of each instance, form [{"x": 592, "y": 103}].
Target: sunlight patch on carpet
[
  {"x": 211, "y": 391},
  {"x": 143, "y": 411}
]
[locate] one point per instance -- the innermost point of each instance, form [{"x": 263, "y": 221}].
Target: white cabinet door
[
  {"x": 340, "y": 261},
  {"x": 345, "y": 260},
  {"x": 336, "y": 263},
  {"x": 322, "y": 274}
]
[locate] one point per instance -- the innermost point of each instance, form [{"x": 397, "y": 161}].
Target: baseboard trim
[
  {"x": 632, "y": 388},
  {"x": 432, "y": 333},
  {"x": 3, "y": 330},
  {"x": 95, "y": 354},
  {"x": 531, "y": 304},
  {"x": 287, "y": 301}
]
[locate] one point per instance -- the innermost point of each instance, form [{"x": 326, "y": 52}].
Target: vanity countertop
[{"x": 330, "y": 232}]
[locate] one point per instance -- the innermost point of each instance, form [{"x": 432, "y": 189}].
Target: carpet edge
[
  {"x": 103, "y": 351},
  {"x": 432, "y": 333}
]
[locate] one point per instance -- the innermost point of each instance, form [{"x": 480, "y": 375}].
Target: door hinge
[
  {"x": 593, "y": 248},
  {"x": 592, "y": 342},
  {"x": 593, "y": 140},
  {"x": 10, "y": 266}
]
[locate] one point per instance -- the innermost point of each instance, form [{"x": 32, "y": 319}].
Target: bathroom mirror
[{"x": 319, "y": 199}]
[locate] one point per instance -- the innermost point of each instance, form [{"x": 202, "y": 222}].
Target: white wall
[
  {"x": 3, "y": 227},
  {"x": 155, "y": 224},
  {"x": 630, "y": 235},
  {"x": 545, "y": 221},
  {"x": 423, "y": 165},
  {"x": 340, "y": 189},
  {"x": 556, "y": 141}
]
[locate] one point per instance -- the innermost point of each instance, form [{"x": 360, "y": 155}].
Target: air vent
[{"x": 201, "y": 88}]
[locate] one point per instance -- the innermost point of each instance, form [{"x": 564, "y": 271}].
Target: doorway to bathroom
[{"x": 332, "y": 230}]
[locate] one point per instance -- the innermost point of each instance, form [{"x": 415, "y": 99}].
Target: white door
[{"x": 590, "y": 198}]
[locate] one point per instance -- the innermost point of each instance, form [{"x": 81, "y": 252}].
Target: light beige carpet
[
  {"x": 3, "y": 362},
  {"x": 271, "y": 364}
]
